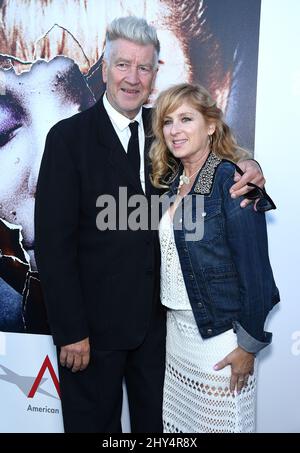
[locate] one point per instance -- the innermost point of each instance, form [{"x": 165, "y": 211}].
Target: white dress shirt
[{"x": 121, "y": 126}]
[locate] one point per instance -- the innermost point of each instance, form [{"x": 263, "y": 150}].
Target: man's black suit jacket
[{"x": 101, "y": 284}]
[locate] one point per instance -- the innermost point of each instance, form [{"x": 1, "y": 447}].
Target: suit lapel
[{"x": 148, "y": 141}]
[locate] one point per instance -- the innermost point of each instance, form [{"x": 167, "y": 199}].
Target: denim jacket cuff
[{"x": 249, "y": 343}]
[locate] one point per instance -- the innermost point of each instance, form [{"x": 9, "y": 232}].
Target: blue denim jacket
[{"x": 227, "y": 273}]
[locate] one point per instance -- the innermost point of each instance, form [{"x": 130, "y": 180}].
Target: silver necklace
[{"x": 183, "y": 179}]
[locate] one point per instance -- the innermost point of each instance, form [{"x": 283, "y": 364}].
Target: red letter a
[{"x": 46, "y": 364}]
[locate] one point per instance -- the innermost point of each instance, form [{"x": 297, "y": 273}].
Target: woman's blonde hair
[{"x": 223, "y": 142}]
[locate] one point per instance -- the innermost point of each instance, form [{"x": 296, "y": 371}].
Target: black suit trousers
[{"x": 92, "y": 399}]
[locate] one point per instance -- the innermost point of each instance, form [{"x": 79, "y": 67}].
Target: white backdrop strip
[{"x": 277, "y": 149}]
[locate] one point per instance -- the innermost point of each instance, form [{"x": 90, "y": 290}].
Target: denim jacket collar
[{"x": 204, "y": 181}]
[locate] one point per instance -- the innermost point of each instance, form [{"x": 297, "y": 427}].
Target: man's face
[
  {"x": 29, "y": 106},
  {"x": 129, "y": 75}
]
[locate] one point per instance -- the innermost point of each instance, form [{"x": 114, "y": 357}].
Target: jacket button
[
  {"x": 209, "y": 331},
  {"x": 200, "y": 304},
  {"x": 185, "y": 250}
]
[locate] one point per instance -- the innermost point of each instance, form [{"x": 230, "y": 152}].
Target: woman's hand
[{"x": 242, "y": 365}]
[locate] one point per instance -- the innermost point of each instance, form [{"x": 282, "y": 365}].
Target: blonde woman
[{"x": 218, "y": 289}]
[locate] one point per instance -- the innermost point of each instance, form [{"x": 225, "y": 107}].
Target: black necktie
[{"x": 133, "y": 149}]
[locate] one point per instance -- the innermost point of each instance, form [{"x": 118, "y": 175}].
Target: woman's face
[
  {"x": 29, "y": 105},
  {"x": 186, "y": 133}
]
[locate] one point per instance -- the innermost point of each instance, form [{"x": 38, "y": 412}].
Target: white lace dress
[{"x": 197, "y": 398}]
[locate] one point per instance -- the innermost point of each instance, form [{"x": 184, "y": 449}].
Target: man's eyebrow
[{"x": 125, "y": 60}]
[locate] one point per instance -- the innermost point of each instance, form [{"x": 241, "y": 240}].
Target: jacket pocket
[{"x": 223, "y": 289}]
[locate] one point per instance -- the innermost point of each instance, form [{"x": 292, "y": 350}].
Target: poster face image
[{"x": 50, "y": 68}]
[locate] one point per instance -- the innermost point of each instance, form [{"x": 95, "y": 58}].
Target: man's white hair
[{"x": 134, "y": 29}]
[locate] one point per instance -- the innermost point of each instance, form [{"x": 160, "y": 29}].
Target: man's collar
[{"x": 120, "y": 120}]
